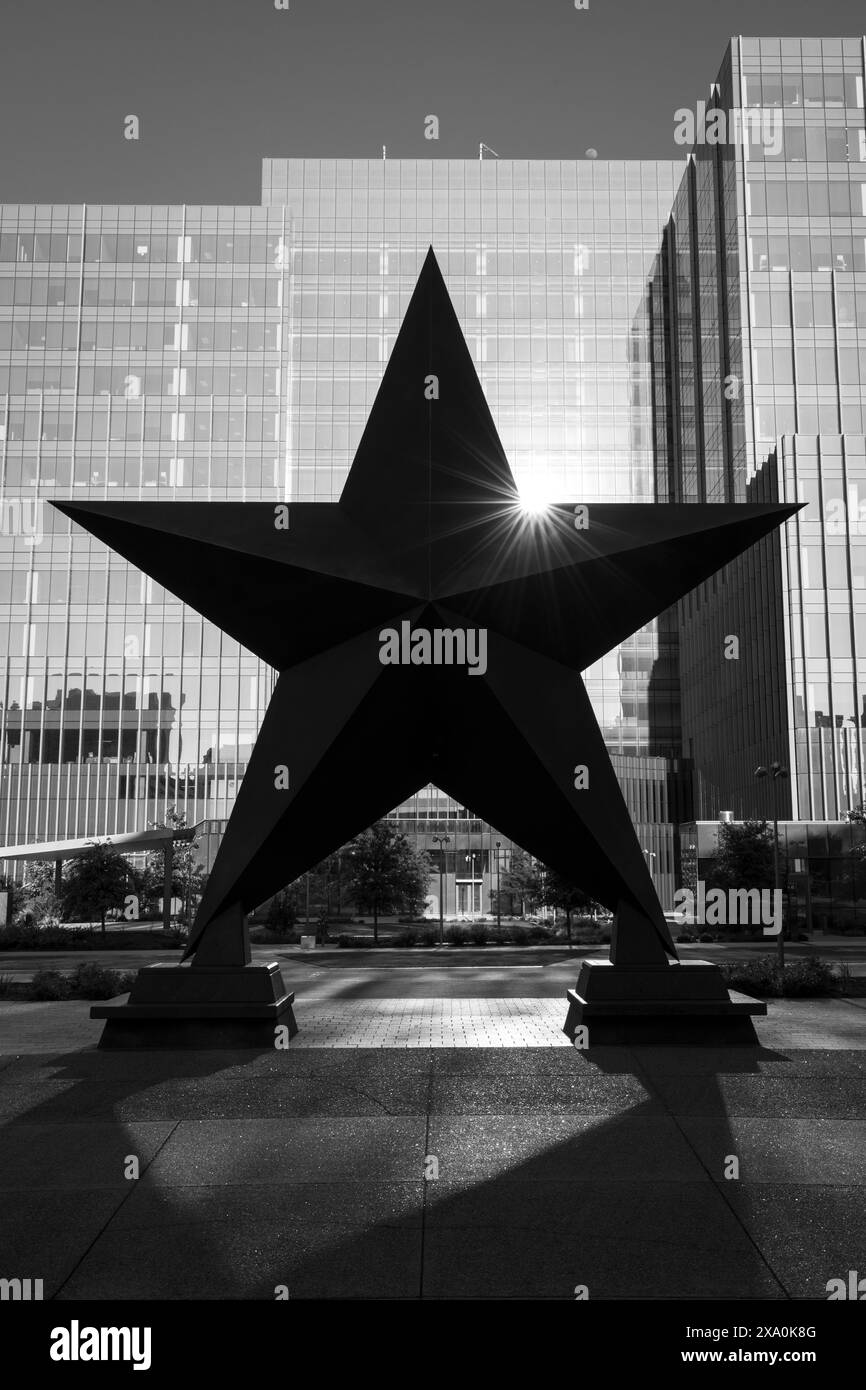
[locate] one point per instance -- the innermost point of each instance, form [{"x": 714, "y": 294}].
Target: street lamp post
[
  {"x": 778, "y": 774},
  {"x": 498, "y": 894},
  {"x": 441, "y": 841}
]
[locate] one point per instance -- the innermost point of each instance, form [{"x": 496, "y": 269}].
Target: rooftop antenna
[{"x": 482, "y": 147}]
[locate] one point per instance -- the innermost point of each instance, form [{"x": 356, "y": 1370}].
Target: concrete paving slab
[
  {"x": 144, "y": 1066},
  {"x": 304, "y": 1203},
  {"x": 44, "y": 1234},
  {"x": 552, "y": 1264},
  {"x": 218, "y": 1261},
  {"x": 280, "y": 1151},
  {"x": 809, "y": 1234},
  {"x": 765, "y": 1096},
  {"x": 214, "y": 1097},
  {"x": 541, "y": 1093},
  {"x": 75, "y": 1156},
  {"x": 687, "y": 1213},
  {"x": 761, "y": 1061},
  {"x": 576, "y": 1148},
  {"x": 799, "y": 1151},
  {"x": 532, "y": 1061}
]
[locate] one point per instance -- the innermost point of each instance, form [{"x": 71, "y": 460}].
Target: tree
[
  {"x": 320, "y": 885},
  {"x": 538, "y": 886},
  {"x": 522, "y": 879},
  {"x": 854, "y": 859},
  {"x": 310, "y": 896},
  {"x": 36, "y": 896},
  {"x": 97, "y": 881},
  {"x": 283, "y": 909},
  {"x": 560, "y": 893},
  {"x": 745, "y": 857},
  {"x": 187, "y": 874},
  {"x": 386, "y": 872}
]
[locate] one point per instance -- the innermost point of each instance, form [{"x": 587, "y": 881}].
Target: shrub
[
  {"x": 50, "y": 935},
  {"x": 92, "y": 981},
  {"x": 49, "y": 984},
  {"x": 420, "y": 935},
  {"x": 176, "y": 936},
  {"x": 706, "y": 936},
  {"x": 685, "y": 936},
  {"x": 517, "y": 935},
  {"x": 478, "y": 934},
  {"x": 539, "y": 933},
  {"x": 265, "y": 936},
  {"x": 801, "y": 978},
  {"x": 457, "y": 935},
  {"x": 58, "y": 938},
  {"x": 19, "y": 934},
  {"x": 355, "y": 943}
]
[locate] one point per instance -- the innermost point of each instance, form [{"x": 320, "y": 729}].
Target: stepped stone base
[
  {"x": 200, "y": 1006},
  {"x": 677, "y": 1002}
]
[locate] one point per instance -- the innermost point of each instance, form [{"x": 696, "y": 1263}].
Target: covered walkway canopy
[{"x": 129, "y": 842}]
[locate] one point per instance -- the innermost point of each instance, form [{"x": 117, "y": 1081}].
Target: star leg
[{"x": 337, "y": 750}]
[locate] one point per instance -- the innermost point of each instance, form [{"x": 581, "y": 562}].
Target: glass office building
[
  {"x": 216, "y": 353},
  {"x": 822, "y": 871},
  {"x": 758, "y": 308}
]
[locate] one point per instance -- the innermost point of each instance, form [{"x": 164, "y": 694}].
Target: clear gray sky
[{"x": 217, "y": 84}]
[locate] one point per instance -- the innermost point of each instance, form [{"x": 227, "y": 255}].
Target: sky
[{"x": 219, "y": 84}]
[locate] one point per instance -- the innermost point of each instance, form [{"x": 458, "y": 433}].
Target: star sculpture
[{"x": 427, "y": 628}]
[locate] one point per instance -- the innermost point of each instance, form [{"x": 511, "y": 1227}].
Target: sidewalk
[{"x": 555, "y": 1167}]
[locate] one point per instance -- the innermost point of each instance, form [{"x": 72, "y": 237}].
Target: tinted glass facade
[
  {"x": 141, "y": 355},
  {"x": 235, "y": 353},
  {"x": 759, "y": 384},
  {"x": 822, "y": 871}
]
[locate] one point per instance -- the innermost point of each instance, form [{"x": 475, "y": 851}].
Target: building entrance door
[{"x": 469, "y": 899}]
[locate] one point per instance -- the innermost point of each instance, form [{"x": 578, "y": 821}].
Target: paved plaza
[{"x": 413, "y": 1145}]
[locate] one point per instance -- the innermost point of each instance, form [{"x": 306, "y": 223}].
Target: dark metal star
[{"x": 429, "y": 531}]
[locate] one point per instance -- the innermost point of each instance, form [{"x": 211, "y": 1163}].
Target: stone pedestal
[
  {"x": 200, "y": 1006},
  {"x": 672, "y": 1001}
]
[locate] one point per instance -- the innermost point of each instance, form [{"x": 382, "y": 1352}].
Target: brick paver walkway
[{"x": 432, "y": 1023}]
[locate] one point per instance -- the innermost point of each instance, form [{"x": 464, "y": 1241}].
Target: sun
[{"x": 535, "y": 496}]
